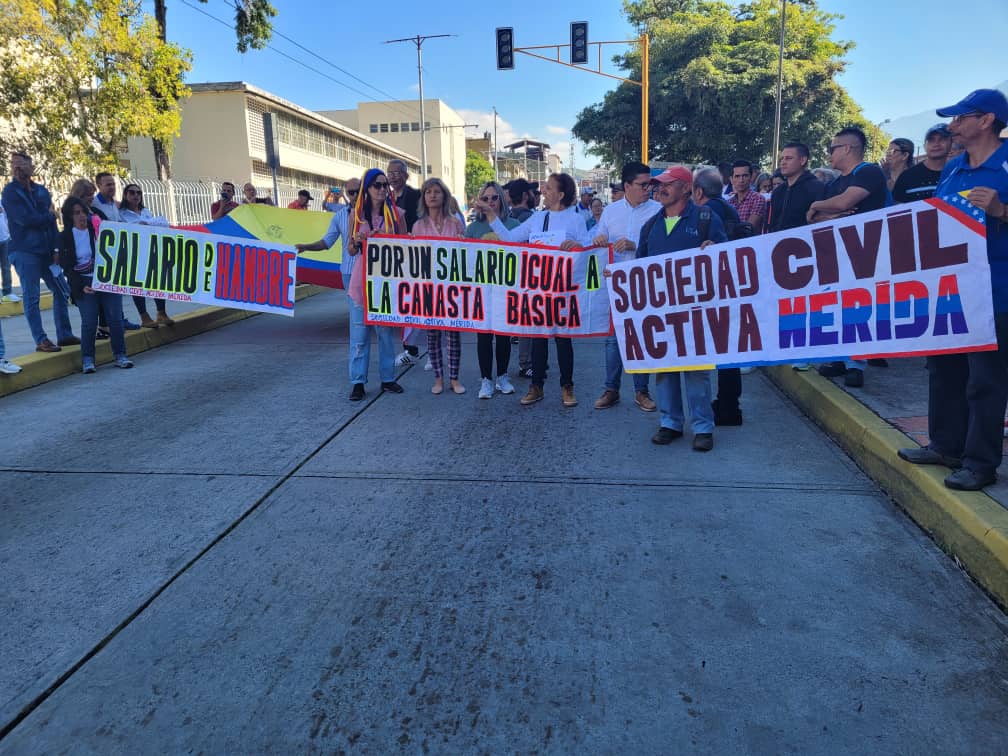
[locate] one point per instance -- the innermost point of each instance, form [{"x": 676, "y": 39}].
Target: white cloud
[
  {"x": 506, "y": 133},
  {"x": 414, "y": 88}
]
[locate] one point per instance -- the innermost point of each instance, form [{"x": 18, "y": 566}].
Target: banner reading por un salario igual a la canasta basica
[
  {"x": 189, "y": 266},
  {"x": 906, "y": 280},
  {"x": 484, "y": 285}
]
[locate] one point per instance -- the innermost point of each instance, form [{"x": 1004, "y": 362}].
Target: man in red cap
[{"x": 681, "y": 225}]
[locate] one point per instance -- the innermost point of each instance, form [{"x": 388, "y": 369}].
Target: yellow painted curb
[
  {"x": 970, "y": 526},
  {"x": 42, "y": 367},
  {"x": 10, "y": 309}
]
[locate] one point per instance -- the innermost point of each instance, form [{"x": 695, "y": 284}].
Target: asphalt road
[{"x": 217, "y": 553}]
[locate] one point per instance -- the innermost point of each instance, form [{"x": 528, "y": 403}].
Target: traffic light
[
  {"x": 579, "y": 42},
  {"x": 505, "y": 48}
]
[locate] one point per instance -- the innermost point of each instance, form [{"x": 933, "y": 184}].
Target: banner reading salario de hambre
[
  {"x": 189, "y": 266},
  {"x": 485, "y": 285},
  {"x": 906, "y": 280}
]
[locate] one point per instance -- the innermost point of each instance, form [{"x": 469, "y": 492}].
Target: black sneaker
[
  {"x": 665, "y": 436},
  {"x": 878, "y": 362},
  {"x": 832, "y": 369},
  {"x": 854, "y": 378},
  {"x": 726, "y": 415},
  {"x": 526, "y": 373},
  {"x": 357, "y": 392},
  {"x": 392, "y": 387}
]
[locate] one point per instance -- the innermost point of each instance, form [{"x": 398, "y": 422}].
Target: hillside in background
[{"x": 913, "y": 127}]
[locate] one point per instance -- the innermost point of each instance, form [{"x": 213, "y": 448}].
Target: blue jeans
[
  {"x": 360, "y": 348},
  {"x": 614, "y": 368},
  {"x": 5, "y": 276},
  {"x": 668, "y": 388},
  {"x": 3, "y": 349},
  {"x": 111, "y": 305},
  {"x": 30, "y": 268}
]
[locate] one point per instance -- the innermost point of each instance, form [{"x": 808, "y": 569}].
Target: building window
[
  {"x": 415, "y": 126},
  {"x": 384, "y": 128},
  {"x": 395, "y": 128},
  {"x": 429, "y": 171},
  {"x": 404, "y": 126},
  {"x": 426, "y": 125},
  {"x": 374, "y": 128}
]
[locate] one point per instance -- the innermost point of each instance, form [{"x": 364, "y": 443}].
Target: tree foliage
[
  {"x": 80, "y": 76},
  {"x": 714, "y": 82},
  {"x": 478, "y": 171}
]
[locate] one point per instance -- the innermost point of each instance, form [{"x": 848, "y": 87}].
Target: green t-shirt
[{"x": 670, "y": 223}]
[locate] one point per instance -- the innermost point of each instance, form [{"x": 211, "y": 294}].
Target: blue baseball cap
[{"x": 979, "y": 101}]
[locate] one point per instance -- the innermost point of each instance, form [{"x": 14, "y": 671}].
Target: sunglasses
[
  {"x": 491, "y": 198},
  {"x": 353, "y": 192},
  {"x": 835, "y": 147},
  {"x": 380, "y": 185},
  {"x": 968, "y": 115}
]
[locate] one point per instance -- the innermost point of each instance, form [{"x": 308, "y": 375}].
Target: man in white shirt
[
  {"x": 105, "y": 202},
  {"x": 620, "y": 225}
]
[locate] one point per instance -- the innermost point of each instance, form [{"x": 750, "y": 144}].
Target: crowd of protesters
[{"x": 678, "y": 209}]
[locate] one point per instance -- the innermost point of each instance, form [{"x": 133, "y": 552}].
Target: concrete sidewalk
[
  {"x": 41, "y": 367},
  {"x": 890, "y": 412}
]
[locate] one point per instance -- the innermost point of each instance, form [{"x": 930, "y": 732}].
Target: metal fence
[{"x": 185, "y": 202}]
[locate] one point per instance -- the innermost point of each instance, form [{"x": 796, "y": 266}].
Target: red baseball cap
[{"x": 675, "y": 173}]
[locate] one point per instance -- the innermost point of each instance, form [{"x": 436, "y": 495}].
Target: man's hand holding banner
[
  {"x": 905, "y": 280},
  {"x": 485, "y": 285}
]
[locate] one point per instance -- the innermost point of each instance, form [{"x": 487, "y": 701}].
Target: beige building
[
  {"x": 222, "y": 139},
  {"x": 397, "y": 123}
]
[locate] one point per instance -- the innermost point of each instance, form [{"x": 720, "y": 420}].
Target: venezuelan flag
[{"x": 278, "y": 224}]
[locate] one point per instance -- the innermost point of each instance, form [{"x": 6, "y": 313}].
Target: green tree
[
  {"x": 714, "y": 82},
  {"x": 80, "y": 76},
  {"x": 478, "y": 172},
  {"x": 253, "y": 28}
]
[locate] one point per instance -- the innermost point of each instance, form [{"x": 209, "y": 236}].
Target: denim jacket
[{"x": 32, "y": 223}]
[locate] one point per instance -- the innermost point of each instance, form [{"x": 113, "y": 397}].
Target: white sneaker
[
  {"x": 427, "y": 365},
  {"x": 9, "y": 368},
  {"x": 486, "y": 389},
  {"x": 403, "y": 359},
  {"x": 12, "y": 297},
  {"x": 504, "y": 385}
]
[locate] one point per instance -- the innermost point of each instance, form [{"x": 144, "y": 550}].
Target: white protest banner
[
  {"x": 905, "y": 280},
  {"x": 189, "y": 266},
  {"x": 485, "y": 285}
]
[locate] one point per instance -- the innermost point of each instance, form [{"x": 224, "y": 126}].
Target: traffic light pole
[{"x": 644, "y": 83}]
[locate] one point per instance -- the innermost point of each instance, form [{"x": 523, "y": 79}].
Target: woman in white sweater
[{"x": 558, "y": 225}]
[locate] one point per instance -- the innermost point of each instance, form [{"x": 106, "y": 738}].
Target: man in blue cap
[
  {"x": 920, "y": 181},
  {"x": 967, "y": 393}
]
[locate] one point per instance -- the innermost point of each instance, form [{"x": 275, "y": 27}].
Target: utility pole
[
  {"x": 496, "y": 174},
  {"x": 780, "y": 87},
  {"x": 418, "y": 40}
]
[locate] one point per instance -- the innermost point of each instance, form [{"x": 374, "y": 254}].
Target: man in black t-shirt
[
  {"x": 860, "y": 188},
  {"x": 919, "y": 181}
]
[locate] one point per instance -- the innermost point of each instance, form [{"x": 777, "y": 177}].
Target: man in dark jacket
[
  {"x": 681, "y": 225},
  {"x": 406, "y": 197},
  {"x": 790, "y": 201},
  {"x": 33, "y": 249}
]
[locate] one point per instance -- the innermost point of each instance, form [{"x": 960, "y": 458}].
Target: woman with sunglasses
[
  {"x": 132, "y": 210},
  {"x": 435, "y": 220},
  {"x": 492, "y": 194},
  {"x": 559, "y": 225},
  {"x": 898, "y": 157},
  {"x": 373, "y": 212}
]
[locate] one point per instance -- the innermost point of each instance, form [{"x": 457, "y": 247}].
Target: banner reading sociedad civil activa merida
[
  {"x": 484, "y": 285},
  {"x": 906, "y": 280},
  {"x": 189, "y": 266}
]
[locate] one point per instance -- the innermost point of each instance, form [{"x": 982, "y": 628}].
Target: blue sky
[{"x": 910, "y": 56}]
